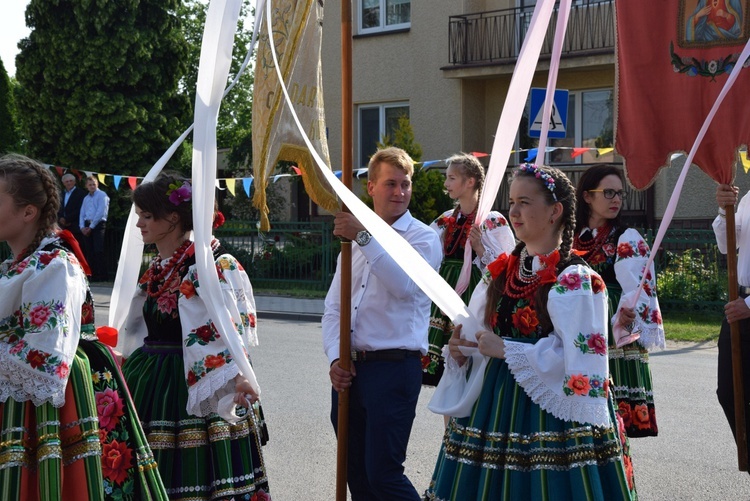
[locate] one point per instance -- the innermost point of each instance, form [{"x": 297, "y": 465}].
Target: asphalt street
[{"x": 692, "y": 459}]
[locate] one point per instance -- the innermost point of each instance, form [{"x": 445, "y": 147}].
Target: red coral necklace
[
  {"x": 596, "y": 243},
  {"x": 158, "y": 277},
  {"x": 453, "y": 241}
]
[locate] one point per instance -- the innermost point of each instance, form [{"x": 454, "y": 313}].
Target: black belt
[
  {"x": 743, "y": 290},
  {"x": 383, "y": 355}
]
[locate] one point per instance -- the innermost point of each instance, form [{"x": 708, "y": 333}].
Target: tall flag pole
[{"x": 347, "y": 153}]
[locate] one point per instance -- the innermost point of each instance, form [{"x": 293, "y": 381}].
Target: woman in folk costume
[
  {"x": 544, "y": 425},
  {"x": 619, "y": 254},
  {"x": 464, "y": 178},
  {"x": 180, "y": 369},
  {"x": 68, "y": 427}
]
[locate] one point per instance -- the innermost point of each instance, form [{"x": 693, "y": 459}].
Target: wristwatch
[{"x": 363, "y": 238}]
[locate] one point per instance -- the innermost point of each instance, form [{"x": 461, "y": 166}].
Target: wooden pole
[
  {"x": 737, "y": 379},
  {"x": 347, "y": 153}
]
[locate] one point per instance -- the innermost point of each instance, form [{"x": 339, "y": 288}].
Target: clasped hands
[{"x": 488, "y": 343}]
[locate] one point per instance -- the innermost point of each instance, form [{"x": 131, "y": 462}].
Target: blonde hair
[{"x": 393, "y": 156}]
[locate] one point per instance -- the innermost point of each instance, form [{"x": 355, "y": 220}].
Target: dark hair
[
  {"x": 564, "y": 194},
  {"x": 590, "y": 181},
  {"x": 469, "y": 167},
  {"x": 29, "y": 182},
  {"x": 152, "y": 197}
]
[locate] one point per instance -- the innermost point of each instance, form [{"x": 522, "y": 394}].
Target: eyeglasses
[{"x": 610, "y": 194}]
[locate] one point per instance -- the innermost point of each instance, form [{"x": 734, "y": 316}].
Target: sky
[{"x": 12, "y": 29}]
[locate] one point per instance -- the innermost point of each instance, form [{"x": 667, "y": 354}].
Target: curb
[{"x": 290, "y": 315}]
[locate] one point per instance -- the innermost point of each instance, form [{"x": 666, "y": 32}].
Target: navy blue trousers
[
  {"x": 382, "y": 405},
  {"x": 725, "y": 386}
]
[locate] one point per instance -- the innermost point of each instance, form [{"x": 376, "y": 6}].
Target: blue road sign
[{"x": 558, "y": 117}]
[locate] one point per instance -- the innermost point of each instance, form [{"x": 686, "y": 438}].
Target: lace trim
[
  {"x": 450, "y": 362},
  {"x": 565, "y": 408},
  {"x": 28, "y": 384},
  {"x": 204, "y": 396},
  {"x": 489, "y": 256},
  {"x": 652, "y": 338}
]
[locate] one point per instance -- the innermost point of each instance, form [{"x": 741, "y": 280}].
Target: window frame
[
  {"x": 381, "y": 107},
  {"x": 382, "y": 28}
]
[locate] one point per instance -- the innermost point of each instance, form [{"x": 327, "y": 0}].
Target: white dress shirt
[
  {"x": 388, "y": 310},
  {"x": 94, "y": 208},
  {"x": 742, "y": 220}
]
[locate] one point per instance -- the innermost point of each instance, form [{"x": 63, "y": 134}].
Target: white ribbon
[
  {"x": 510, "y": 117},
  {"x": 129, "y": 265},
  {"x": 215, "y": 61}
]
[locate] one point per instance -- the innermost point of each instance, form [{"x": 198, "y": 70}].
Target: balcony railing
[{"x": 495, "y": 37}]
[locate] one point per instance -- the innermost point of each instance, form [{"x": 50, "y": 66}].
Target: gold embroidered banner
[{"x": 297, "y": 33}]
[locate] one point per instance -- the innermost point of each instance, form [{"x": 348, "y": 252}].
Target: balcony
[{"x": 494, "y": 37}]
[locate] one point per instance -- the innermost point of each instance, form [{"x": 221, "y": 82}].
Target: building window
[
  {"x": 590, "y": 124},
  {"x": 376, "y": 121},
  {"x": 384, "y": 15}
]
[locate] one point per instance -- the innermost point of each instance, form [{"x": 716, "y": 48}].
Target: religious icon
[{"x": 713, "y": 22}]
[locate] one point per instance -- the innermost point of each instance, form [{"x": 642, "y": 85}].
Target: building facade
[{"x": 447, "y": 65}]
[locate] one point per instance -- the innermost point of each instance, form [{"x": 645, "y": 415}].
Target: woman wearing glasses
[{"x": 619, "y": 254}]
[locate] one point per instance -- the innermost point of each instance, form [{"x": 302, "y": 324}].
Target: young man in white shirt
[
  {"x": 93, "y": 222},
  {"x": 389, "y": 321}
]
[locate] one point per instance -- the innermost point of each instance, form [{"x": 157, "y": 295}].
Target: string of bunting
[{"x": 230, "y": 183}]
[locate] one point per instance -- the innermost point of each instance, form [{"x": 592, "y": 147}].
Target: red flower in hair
[{"x": 219, "y": 220}]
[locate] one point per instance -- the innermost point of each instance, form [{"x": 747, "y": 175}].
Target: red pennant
[
  {"x": 577, "y": 152},
  {"x": 77, "y": 173},
  {"x": 296, "y": 170},
  {"x": 479, "y": 154},
  {"x": 59, "y": 170},
  {"x": 131, "y": 182}
]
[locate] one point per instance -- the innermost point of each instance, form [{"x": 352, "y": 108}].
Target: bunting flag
[
  {"x": 671, "y": 69},
  {"x": 297, "y": 34}
]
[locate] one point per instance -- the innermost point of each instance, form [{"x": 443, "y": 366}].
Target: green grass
[{"x": 691, "y": 326}]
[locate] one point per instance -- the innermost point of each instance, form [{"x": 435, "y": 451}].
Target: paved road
[{"x": 692, "y": 459}]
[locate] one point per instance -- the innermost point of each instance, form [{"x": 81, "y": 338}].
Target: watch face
[{"x": 362, "y": 238}]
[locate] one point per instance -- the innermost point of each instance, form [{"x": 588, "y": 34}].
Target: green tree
[
  {"x": 8, "y": 125},
  {"x": 428, "y": 199},
  {"x": 99, "y": 82},
  {"x": 234, "y": 130}
]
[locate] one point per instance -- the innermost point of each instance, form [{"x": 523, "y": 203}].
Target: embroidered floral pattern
[
  {"x": 573, "y": 282},
  {"x": 202, "y": 335},
  {"x": 209, "y": 363},
  {"x": 692, "y": 67},
  {"x": 525, "y": 320},
  {"x": 594, "y": 344},
  {"x": 593, "y": 386},
  {"x": 118, "y": 458}
]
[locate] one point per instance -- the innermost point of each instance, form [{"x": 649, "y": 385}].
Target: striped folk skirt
[
  {"x": 511, "y": 449},
  {"x": 199, "y": 458},
  {"x": 91, "y": 448},
  {"x": 633, "y": 387}
]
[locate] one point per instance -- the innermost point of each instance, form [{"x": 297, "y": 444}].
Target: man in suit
[{"x": 70, "y": 207}]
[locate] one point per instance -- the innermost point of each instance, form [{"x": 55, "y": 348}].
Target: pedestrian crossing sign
[{"x": 558, "y": 116}]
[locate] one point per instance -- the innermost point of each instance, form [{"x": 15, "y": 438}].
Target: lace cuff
[
  {"x": 489, "y": 256},
  {"x": 652, "y": 338},
  {"x": 562, "y": 407},
  {"x": 204, "y": 396},
  {"x": 450, "y": 362},
  {"x": 23, "y": 384}
]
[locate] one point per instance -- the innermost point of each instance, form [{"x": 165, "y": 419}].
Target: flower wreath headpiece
[
  {"x": 548, "y": 180},
  {"x": 178, "y": 194}
]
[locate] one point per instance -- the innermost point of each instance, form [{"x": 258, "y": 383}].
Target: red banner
[{"x": 672, "y": 62}]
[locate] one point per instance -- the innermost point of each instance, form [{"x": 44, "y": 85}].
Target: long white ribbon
[
  {"x": 215, "y": 61},
  {"x": 510, "y": 118},
  {"x": 129, "y": 265},
  {"x": 399, "y": 249}
]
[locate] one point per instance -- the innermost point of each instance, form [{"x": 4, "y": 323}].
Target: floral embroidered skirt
[
  {"x": 53, "y": 453},
  {"x": 441, "y": 327},
  {"x": 199, "y": 458},
  {"x": 633, "y": 388},
  {"x": 510, "y": 449}
]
